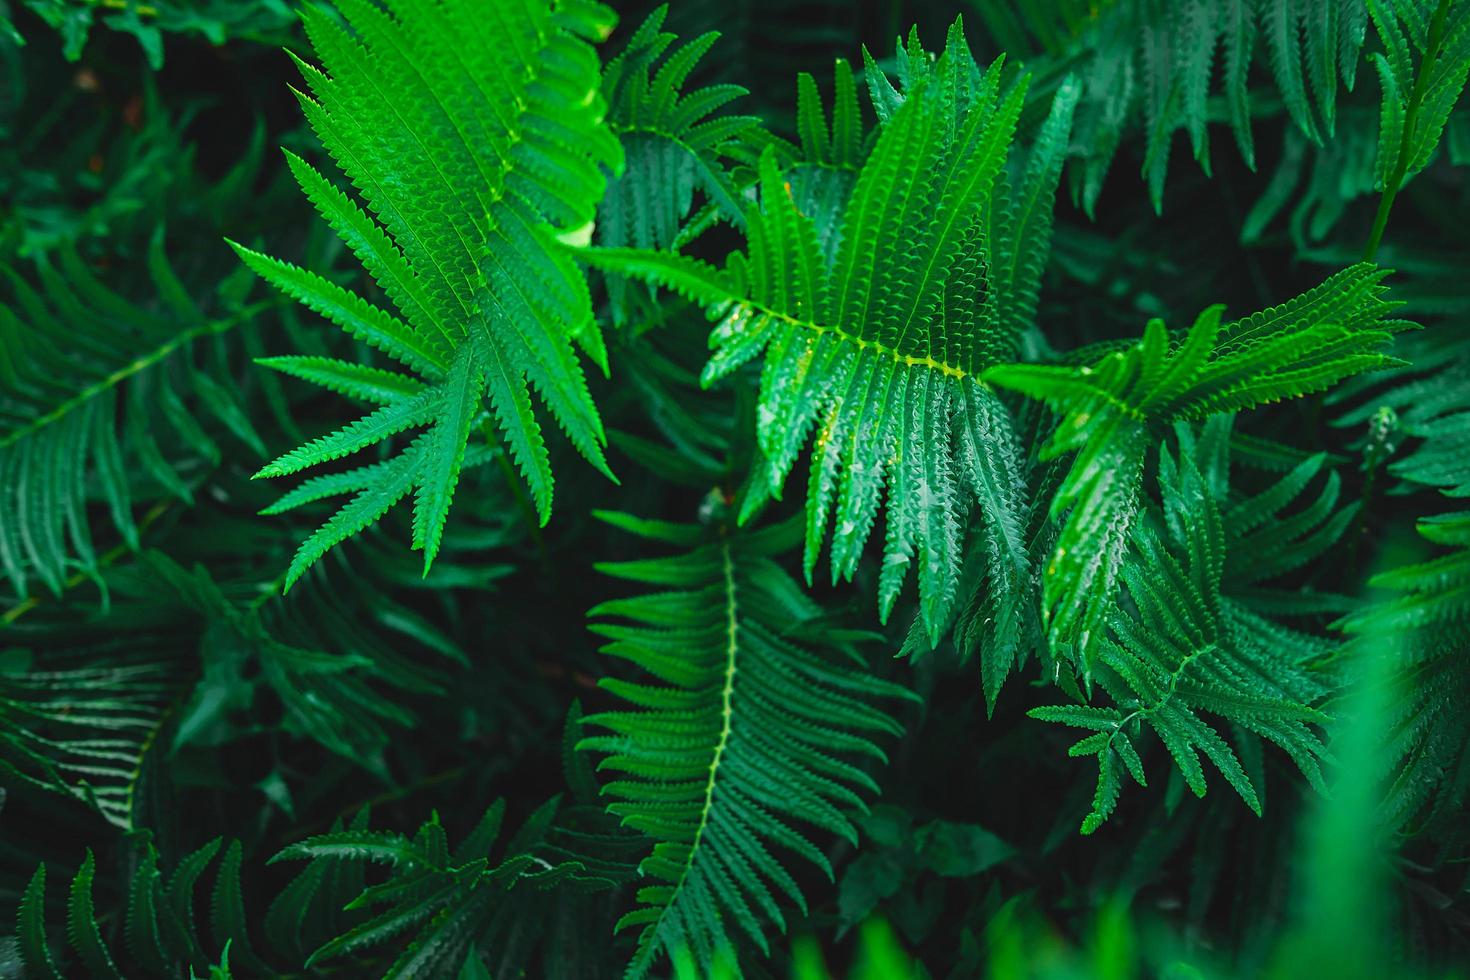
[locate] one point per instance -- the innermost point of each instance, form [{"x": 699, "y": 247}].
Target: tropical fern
[
  {"x": 98, "y": 396},
  {"x": 453, "y": 907},
  {"x": 1155, "y": 65},
  {"x": 159, "y": 930},
  {"x": 673, "y": 143},
  {"x": 1418, "y": 423},
  {"x": 83, "y": 730},
  {"x": 876, "y": 333},
  {"x": 1327, "y": 334},
  {"x": 472, "y": 159},
  {"x": 1415, "y": 418},
  {"x": 1417, "y": 100},
  {"x": 749, "y": 740},
  {"x": 448, "y": 903},
  {"x": 1185, "y": 648}
]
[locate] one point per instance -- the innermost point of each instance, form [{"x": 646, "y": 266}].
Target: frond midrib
[
  {"x": 732, "y": 630},
  {"x": 761, "y": 309},
  {"x": 138, "y": 364}
]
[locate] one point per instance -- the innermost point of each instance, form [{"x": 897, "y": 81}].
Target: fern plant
[
  {"x": 160, "y": 931},
  {"x": 1305, "y": 345},
  {"x": 93, "y": 387},
  {"x": 1419, "y": 629},
  {"x": 471, "y": 160},
  {"x": 1155, "y": 66},
  {"x": 1186, "y": 648},
  {"x": 1207, "y": 555}
]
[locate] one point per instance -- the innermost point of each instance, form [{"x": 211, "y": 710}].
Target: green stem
[{"x": 1395, "y": 180}]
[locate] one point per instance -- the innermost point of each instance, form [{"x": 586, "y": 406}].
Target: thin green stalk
[{"x": 1416, "y": 98}]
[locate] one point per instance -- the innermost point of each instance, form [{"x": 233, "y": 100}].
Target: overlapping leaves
[
  {"x": 1111, "y": 411},
  {"x": 1186, "y": 650}
]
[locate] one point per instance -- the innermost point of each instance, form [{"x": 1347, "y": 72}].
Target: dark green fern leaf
[
  {"x": 1186, "y": 649},
  {"x": 673, "y": 143},
  {"x": 159, "y": 936},
  {"x": 435, "y": 904},
  {"x": 81, "y": 924},
  {"x": 101, "y": 400},
  {"x": 1156, "y": 65},
  {"x": 747, "y": 742},
  {"x": 84, "y": 732},
  {"x": 1420, "y": 628},
  {"x": 30, "y": 929}
]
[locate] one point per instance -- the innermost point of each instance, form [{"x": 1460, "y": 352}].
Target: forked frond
[{"x": 1185, "y": 650}]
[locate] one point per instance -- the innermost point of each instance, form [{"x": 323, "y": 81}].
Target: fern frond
[
  {"x": 673, "y": 141},
  {"x": 159, "y": 935},
  {"x": 100, "y": 400},
  {"x": 1184, "y": 650},
  {"x": 1156, "y": 66},
  {"x": 84, "y": 732},
  {"x": 436, "y": 904},
  {"x": 1421, "y": 628},
  {"x": 878, "y": 346},
  {"x": 1110, "y": 409},
  {"x": 473, "y": 154},
  {"x": 1415, "y": 418},
  {"x": 748, "y": 741}
]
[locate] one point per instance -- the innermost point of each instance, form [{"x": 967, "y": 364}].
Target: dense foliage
[{"x": 826, "y": 452}]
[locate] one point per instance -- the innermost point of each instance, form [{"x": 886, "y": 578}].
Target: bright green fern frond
[
  {"x": 475, "y": 138},
  {"x": 740, "y": 745},
  {"x": 1184, "y": 650},
  {"x": 876, "y": 344}
]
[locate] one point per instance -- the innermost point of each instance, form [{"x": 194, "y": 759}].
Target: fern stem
[
  {"x": 1416, "y": 98},
  {"x": 732, "y": 629}
]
